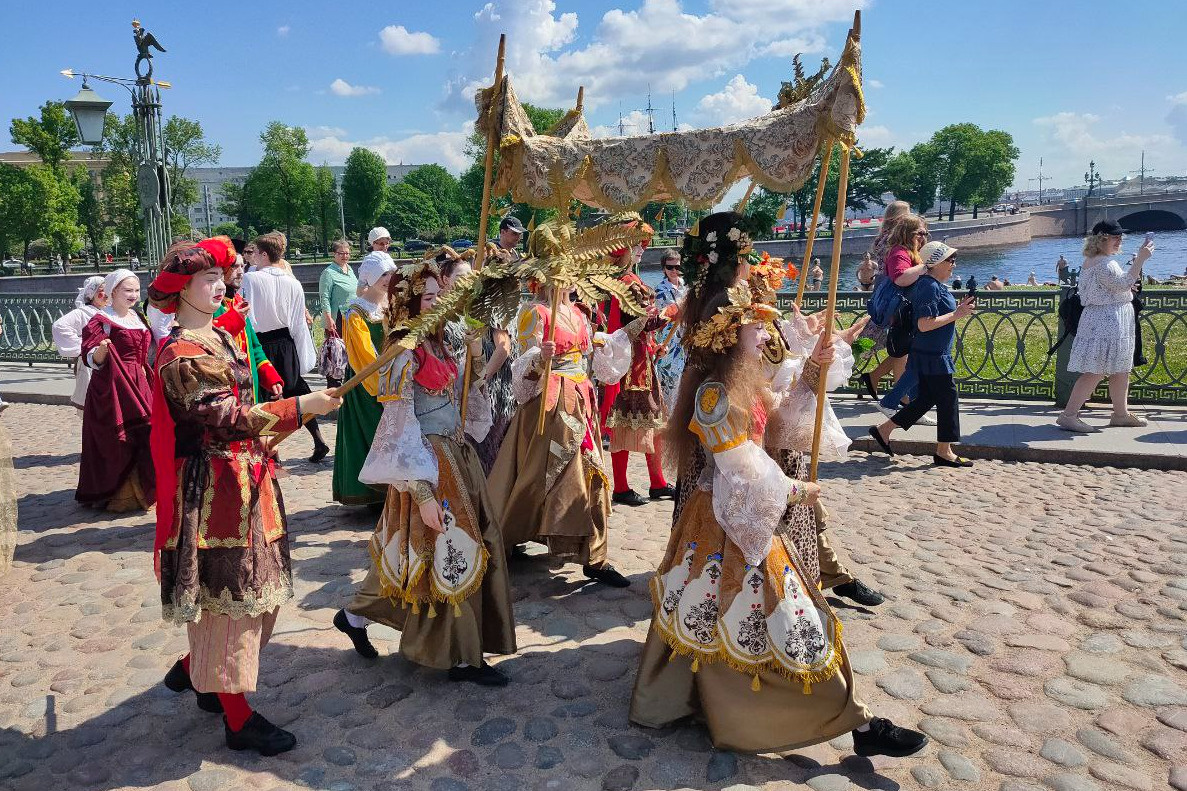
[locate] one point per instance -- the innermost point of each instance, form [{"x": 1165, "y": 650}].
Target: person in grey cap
[{"x": 511, "y": 230}]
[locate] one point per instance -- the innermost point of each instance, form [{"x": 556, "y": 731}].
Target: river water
[{"x": 1016, "y": 262}]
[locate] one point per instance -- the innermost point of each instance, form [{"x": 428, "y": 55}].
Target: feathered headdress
[{"x": 720, "y": 332}]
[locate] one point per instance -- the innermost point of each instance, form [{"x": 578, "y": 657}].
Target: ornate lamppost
[{"x": 152, "y": 177}]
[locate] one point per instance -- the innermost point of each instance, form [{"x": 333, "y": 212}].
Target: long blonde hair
[{"x": 902, "y": 234}]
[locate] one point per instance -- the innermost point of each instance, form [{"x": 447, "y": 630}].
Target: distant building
[
  {"x": 204, "y": 212},
  {"x": 88, "y": 160}
]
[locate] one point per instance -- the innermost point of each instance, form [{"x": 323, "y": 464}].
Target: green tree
[
  {"x": 440, "y": 185},
  {"x": 50, "y": 136},
  {"x": 91, "y": 213},
  {"x": 236, "y": 200},
  {"x": 364, "y": 190},
  {"x": 22, "y": 200},
  {"x": 955, "y": 147},
  {"x": 325, "y": 205},
  {"x": 284, "y": 181},
  {"x": 409, "y": 212},
  {"x": 765, "y": 207},
  {"x": 992, "y": 167},
  {"x": 186, "y": 147}
]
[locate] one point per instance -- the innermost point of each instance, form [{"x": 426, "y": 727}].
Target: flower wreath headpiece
[
  {"x": 721, "y": 246},
  {"x": 721, "y": 331},
  {"x": 407, "y": 285}
]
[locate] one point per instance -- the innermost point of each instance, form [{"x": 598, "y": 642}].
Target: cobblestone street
[{"x": 1036, "y": 628}]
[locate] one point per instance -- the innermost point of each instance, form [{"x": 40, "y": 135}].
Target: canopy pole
[
  {"x": 550, "y": 336},
  {"x": 745, "y": 198},
  {"x": 488, "y": 164},
  {"x": 833, "y": 279},
  {"x": 820, "y": 182}
]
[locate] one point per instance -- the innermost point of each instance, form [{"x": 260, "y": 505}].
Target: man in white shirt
[{"x": 278, "y": 312}]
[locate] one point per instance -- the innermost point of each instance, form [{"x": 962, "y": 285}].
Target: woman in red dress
[{"x": 116, "y": 470}]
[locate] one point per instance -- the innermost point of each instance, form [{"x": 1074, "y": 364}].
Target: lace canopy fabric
[{"x": 776, "y": 150}]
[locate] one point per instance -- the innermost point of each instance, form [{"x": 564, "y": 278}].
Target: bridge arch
[{"x": 1153, "y": 220}]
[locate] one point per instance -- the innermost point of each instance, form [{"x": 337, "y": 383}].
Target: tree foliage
[
  {"x": 50, "y": 136},
  {"x": 409, "y": 212},
  {"x": 442, "y": 188},
  {"x": 325, "y": 205},
  {"x": 364, "y": 190},
  {"x": 186, "y": 147},
  {"x": 283, "y": 182}
]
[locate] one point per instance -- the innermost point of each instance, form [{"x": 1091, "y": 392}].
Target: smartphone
[{"x": 1149, "y": 237}]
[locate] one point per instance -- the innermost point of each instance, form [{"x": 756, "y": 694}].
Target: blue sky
[{"x": 1070, "y": 81}]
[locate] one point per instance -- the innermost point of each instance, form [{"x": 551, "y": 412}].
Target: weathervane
[{"x": 144, "y": 40}]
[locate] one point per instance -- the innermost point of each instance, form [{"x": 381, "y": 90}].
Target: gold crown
[{"x": 721, "y": 331}]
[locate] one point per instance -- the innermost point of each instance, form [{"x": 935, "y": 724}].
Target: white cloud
[
  {"x": 877, "y": 136},
  {"x": 1177, "y": 117},
  {"x": 737, "y": 101},
  {"x": 446, "y": 148},
  {"x": 656, "y": 43},
  {"x": 341, "y": 87},
  {"x": 398, "y": 40},
  {"x": 1069, "y": 140},
  {"x": 875, "y": 84},
  {"x": 796, "y": 45},
  {"x": 283, "y": 31}
]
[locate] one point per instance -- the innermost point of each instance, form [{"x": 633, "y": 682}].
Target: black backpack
[
  {"x": 1069, "y": 313},
  {"x": 902, "y": 329}
]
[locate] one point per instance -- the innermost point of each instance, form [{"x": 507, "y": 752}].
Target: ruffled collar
[
  {"x": 131, "y": 321},
  {"x": 373, "y": 311}
]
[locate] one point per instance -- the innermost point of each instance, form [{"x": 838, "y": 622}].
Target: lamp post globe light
[{"x": 152, "y": 178}]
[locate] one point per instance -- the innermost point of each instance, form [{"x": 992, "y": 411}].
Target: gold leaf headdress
[{"x": 720, "y": 332}]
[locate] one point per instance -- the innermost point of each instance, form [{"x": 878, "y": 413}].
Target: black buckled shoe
[
  {"x": 484, "y": 676},
  {"x": 319, "y": 453},
  {"x": 607, "y": 575},
  {"x": 629, "y": 497},
  {"x": 260, "y": 735},
  {"x": 886, "y": 738},
  {"x": 178, "y": 680},
  {"x": 667, "y": 492},
  {"x": 859, "y": 592},
  {"x": 357, "y": 635}
]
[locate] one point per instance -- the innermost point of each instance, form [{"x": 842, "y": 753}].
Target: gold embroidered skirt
[{"x": 448, "y": 593}]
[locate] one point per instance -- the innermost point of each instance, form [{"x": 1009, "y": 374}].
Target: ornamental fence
[{"x": 1001, "y": 350}]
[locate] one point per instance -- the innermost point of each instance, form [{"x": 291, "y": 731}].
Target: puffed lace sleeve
[
  {"x": 750, "y": 492},
  {"x": 480, "y": 416},
  {"x": 400, "y": 455},
  {"x": 67, "y": 331},
  {"x": 612, "y": 355},
  {"x": 526, "y": 368}
]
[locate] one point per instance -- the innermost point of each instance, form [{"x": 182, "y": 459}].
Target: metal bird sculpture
[{"x": 144, "y": 40}]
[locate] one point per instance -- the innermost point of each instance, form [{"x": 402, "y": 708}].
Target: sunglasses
[
  {"x": 922, "y": 233},
  {"x": 671, "y": 267}
]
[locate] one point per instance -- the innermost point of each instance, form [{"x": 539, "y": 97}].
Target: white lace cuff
[
  {"x": 612, "y": 359},
  {"x": 400, "y": 454},
  {"x": 750, "y": 495},
  {"x": 523, "y": 388}
]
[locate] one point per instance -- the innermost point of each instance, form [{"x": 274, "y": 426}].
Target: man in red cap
[{"x": 234, "y": 317}]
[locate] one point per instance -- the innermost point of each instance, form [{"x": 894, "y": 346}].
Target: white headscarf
[
  {"x": 375, "y": 265},
  {"x": 88, "y": 291},
  {"x": 115, "y": 278}
]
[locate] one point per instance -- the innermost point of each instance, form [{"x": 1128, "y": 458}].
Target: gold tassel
[
  {"x": 415, "y": 608},
  {"x": 755, "y": 685},
  {"x": 807, "y": 687},
  {"x": 432, "y": 610},
  {"x": 672, "y": 656},
  {"x": 457, "y": 610},
  {"x": 696, "y": 664}
]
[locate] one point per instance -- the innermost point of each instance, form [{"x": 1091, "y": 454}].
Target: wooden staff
[
  {"x": 550, "y": 336},
  {"x": 820, "y": 182},
  {"x": 745, "y": 198},
  {"x": 494, "y": 121},
  {"x": 833, "y": 278}
]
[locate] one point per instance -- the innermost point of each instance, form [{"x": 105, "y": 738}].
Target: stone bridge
[{"x": 1136, "y": 213}]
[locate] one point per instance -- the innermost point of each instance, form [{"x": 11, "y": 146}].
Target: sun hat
[{"x": 934, "y": 253}]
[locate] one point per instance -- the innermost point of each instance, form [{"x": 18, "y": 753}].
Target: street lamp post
[
  {"x": 1092, "y": 179},
  {"x": 152, "y": 177}
]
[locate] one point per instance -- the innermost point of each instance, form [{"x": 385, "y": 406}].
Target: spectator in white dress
[
  {"x": 67, "y": 333},
  {"x": 1105, "y": 337}
]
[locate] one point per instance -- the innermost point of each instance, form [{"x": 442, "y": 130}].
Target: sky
[{"x": 1072, "y": 82}]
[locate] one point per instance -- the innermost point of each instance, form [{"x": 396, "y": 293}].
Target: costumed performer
[
  {"x": 67, "y": 333},
  {"x": 633, "y": 410},
  {"x": 234, "y": 316},
  {"x": 362, "y": 332},
  {"x": 740, "y": 634},
  {"x": 221, "y": 551},
  {"x": 116, "y": 470},
  {"x": 439, "y": 573}
]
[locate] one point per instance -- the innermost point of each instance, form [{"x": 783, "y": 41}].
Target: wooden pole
[
  {"x": 833, "y": 278},
  {"x": 488, "y": 164},
  {"x": 745, "y": 198},
  {"x": 551, "y": 335},
  {"x": 807, "y": 262}
]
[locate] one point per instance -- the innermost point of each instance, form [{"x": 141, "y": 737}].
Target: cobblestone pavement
[{"x": 1037, "y": 630}]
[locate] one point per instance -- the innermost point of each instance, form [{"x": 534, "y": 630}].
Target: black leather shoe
[
  {"x": 629, "y": 497},
  {"x": 869, "y": 385},
  {"x": 663, "y": 493},
  {"x": 178, "y": 680},
  {"x": 357, "y": 635},
  {"x": 859, "y": 592},
  {"x": 607, "y": 575},
  {"x": 319, "y": 453},
  {"x": 889, "y": 451},
  {"x": 886, "y": 738},
  {"x": 485, "y": 676},
  {"x": 260, "y": 735},
  {"x": 959, "y": 461}
]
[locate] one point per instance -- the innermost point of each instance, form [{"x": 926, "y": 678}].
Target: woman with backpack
[
  {"x": 1105, "y": 334},
  {"x": 935, "y": 313}
]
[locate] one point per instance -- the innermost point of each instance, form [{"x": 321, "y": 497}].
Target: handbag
[
  {"x": 884, "y": 303},
  {"x": 331, "y": 362}
]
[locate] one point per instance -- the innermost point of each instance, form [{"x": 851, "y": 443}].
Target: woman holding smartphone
[
  {"x": 935, "y": 314},
  {"x": 1106, "y": 335}
]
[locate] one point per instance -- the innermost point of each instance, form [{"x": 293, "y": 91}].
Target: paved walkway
[
  {"x": 1036, "y": 628},
  {"x": 1006, "y": 430}
]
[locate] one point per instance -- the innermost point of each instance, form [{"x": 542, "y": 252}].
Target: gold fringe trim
[{"x": 806, "y": 677}]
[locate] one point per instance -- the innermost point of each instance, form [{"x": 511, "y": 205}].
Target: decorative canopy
[{"x": 776, "y": 150}]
